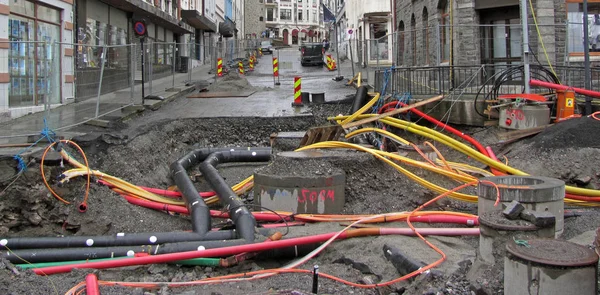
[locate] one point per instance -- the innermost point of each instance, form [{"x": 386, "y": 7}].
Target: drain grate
[{"x": 553, "y": 252}]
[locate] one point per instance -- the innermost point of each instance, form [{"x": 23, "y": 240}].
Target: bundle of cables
[{"x": 510, "y": 76}]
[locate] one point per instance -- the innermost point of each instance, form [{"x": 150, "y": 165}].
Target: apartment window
[
  {"x": 270, "y": 14},
  {"x": 285, "y": 14},
  {"x": 413, "y": 39},
  {"x": 425, "y": 57},
  {"x": 401, "y": 35},
  {"x": 445, "y": 35},
  {"x": 261, "y": 19},
  {"x": 575, "y": 22},
  {"x": 300, "y": 15}
]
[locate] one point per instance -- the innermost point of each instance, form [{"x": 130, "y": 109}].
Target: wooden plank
[
  {"x": 518, "y": 134},
  {"x": 218, "y": 94},
  {"x": 394, "y": 112}
]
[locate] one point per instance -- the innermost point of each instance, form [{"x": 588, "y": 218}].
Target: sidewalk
[{"x": 111, "y": 105}]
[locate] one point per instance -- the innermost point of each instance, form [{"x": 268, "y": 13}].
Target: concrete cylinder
[
  {"x": 550, "y": 267},
  {"x": 534, "y": 192},
  {"x": 318, "y": 97},
  {"x": 299, "y": 189}
]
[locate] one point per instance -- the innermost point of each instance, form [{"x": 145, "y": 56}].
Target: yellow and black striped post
[
  {"x": 260, "y": 52},
  {"x": 297, "y": 92},
  {"x": 251, "y": 64}
]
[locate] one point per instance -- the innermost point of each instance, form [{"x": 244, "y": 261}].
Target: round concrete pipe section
[
  {"x": 551, "y": 267},
  {"x": 300, "y": 194},
  {"x": 305, "y": 97},
  {"x": 533, "y": 192},
  {"x": 318, "y": 97},
  {"x": 496, "y": 230}
]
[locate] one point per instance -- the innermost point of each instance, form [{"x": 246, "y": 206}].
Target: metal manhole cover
[
  {"x": 553, "y": 252},
  {"x": 496, "y": 220}
]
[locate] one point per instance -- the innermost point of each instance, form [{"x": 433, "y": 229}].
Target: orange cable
[
  {"x": 87, "y": 191},
  {"x": 422, "y": 154},
  {"x": 437, "y": 152}
]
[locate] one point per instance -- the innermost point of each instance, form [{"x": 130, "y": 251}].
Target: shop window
[
  {"x": 97, "y": 35},
  {"x": 33, "y": 58},
  {"x": 575, "y": 22}
]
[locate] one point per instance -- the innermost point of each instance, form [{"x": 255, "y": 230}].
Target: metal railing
[{"x": 470, "y": 80}]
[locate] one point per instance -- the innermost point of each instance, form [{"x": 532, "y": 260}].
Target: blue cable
[{"x": 46, "y": 133}]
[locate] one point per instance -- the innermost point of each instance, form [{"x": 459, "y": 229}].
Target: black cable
[{"x": 537, "y": 72}]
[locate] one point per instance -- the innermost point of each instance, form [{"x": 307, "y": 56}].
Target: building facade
[
  {"x": 202, "y": 16},
  {"x": 369, "y": 26},
  {"x": 473, "y": 32},
  {"x": 34, "y": 71},
  {"x": 294, "y": 21},
  {"x": 254, "y": 17}
]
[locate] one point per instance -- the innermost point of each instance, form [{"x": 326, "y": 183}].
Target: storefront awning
[
  {"x": 152, "y": 14},
  {"x": 295, "y": 33},
  {"x": 198, "y": 21}
]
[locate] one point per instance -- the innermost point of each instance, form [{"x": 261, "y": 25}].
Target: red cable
[
  {"x": 228, "y": 251},
  {"x": 91, "y": 285},
  {"x": 162, "y": 192}
]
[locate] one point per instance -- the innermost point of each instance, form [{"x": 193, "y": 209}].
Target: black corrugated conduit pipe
[
  {"x": 198, "y": 210},
  {"x": 200, "y": 218},
  {"x": 120, "y": 239},
  {"x": 244, "y": 221},
  {"x": 360, "y": 99},
  {"x": 71, "y": 254}
]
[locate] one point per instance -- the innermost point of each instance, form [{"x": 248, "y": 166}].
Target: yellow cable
[
  {"x": 378, "y": 130},
  {"x": 361, "y": 110},
  {"x": 444, "y": 139},
  {"x": 421, "y": 181}
]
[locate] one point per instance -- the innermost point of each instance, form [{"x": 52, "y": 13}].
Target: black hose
[
  {"x": 402, "y": 262},
  {"x": 198, "y": 210},
  {"x": 360, "y": 99},
  {"x": 288, "y": 252},
  {"x": 71, "y": 254},
  {"x": 242, "y": 218},
  {"x": 120, "y": 239}
]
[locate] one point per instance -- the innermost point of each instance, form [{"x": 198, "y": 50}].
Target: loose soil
[{"x": 142, "y": 153}]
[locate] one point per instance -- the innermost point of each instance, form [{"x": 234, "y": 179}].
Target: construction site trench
[{"x": 143, "y": 149}]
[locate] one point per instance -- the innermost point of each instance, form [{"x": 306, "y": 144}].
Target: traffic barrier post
[{"x": 297, "y": 92}]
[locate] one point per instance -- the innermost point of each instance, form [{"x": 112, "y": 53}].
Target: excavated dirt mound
[{"x": 143, "y": 158}]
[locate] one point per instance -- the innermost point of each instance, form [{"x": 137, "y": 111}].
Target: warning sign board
[{"x": 569, "y": 102}]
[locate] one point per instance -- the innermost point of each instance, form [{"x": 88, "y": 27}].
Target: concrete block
[
  {"x": 99, "y": 123},
  {"x": 512, "y": 210},
  {"x": 539, "y": 218}
]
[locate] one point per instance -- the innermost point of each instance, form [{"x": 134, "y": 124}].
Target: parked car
[
  {"x": 266, "y": 47},
  {"x": 311, "y": 54}
]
